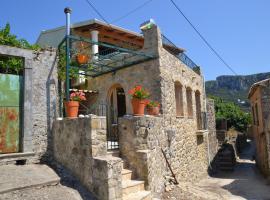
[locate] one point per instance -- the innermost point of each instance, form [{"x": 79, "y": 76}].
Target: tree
[
  {"x": 12, "y": 64},
  {"x": 235, "y": 117}
]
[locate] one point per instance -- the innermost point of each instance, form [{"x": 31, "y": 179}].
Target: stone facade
[
  {"x": 259, "y": 96},
  {"x": 40, "y": 103},
  {"x": 187, "y": 145},
  {"x": 80, "y": 145}
]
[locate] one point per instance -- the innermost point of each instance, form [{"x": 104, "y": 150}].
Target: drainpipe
[
  {"x": 67, "y": 12},
  {"x": 205, "y": 108},
  {"x": 94, "y": 38}
]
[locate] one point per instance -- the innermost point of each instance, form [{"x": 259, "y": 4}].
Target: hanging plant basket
[{"x": 82, "y": 59}]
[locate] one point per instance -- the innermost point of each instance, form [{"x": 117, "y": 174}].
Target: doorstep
[{"x": 16, "y": 156}]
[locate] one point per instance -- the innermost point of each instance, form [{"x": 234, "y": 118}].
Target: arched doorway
[{"x": 116, "y": 109}]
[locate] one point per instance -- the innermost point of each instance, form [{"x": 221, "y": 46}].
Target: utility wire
[
  {"x": 96, "y": 10},
  {"x": 203, "y": 38},
  {"x": 132, "y": 11}
]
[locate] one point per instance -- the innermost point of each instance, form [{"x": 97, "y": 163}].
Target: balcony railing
[{"x": 181, "y": 56}]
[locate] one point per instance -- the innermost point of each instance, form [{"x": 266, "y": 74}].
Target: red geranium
[
  {"x": 139, "y": 92},
  {"x": 77, "y": 96}
]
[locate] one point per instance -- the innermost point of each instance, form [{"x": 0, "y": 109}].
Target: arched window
[
  {"x": 198, "y": 109},
  {"x": 189, "y": 102},
  {"x": 178, "y": 88}
]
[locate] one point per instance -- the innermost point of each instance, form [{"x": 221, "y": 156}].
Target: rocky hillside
[{"x": 234, "y": 88}]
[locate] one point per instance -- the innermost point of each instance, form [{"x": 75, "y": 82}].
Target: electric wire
[
  {"x": 132, "y": 11},
  {"x": 203, "y": 38},
  {"x": 96, "y": 10}
]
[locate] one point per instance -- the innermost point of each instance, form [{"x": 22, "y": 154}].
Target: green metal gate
[{"x": 10, "y": 115}]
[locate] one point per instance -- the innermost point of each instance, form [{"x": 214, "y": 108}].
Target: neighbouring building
[
  {"x": 118, "y": 60},
  {"x": 259, "y": 96},
  {"x": 28, "y": 104}
]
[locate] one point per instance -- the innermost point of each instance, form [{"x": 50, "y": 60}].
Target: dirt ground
[{"x": 244, "y": 183}]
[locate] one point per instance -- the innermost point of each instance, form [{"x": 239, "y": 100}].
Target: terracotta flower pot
[
  {"x": 82, "y": 58},
  {"x": 153, "y": 110},
  {"x": 72, "y": 108},
  {"x": 138, "y": 106}
]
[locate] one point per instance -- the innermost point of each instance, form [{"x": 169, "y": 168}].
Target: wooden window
[
  {"x": 198, "y": 110},
  {"x": 253, "y": 115},
  {"x": 189, "y": 102},
  {"x": 257, "y": 114},
  {"x": 178, "y": 88}
]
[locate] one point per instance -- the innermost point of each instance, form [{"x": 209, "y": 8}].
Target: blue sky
[{"x": 238, "y": 30}]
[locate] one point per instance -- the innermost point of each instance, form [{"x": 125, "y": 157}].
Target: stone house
[
  {"x": 184, "y": 131},
  {"x": 259, "y": 96}
]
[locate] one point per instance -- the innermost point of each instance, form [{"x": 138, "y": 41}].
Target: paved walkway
[
  {"x": 39, "y": 182},
  {"x": 245, "y": 182}
]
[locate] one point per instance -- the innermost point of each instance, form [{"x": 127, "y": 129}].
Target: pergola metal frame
[{"x": 101, "y": 63}]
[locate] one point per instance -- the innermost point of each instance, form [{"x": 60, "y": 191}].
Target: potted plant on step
[
  {"x": 72, "y": 106},
  {"x": 152, "y": 108},
  {"x": 82, "y": 58},
  {"x": 139, "y": 99}
]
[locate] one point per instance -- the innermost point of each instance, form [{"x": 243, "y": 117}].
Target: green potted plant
[
  {"x": 152, "y": 107},
  {"x": 72, "y": 106},
  {"x": 139, "y": 99}
]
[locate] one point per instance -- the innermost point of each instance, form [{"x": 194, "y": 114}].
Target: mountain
[{"x": 234, "y": 88}]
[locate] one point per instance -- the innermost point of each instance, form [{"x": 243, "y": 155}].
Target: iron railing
[{"x": 181, "y": 56}]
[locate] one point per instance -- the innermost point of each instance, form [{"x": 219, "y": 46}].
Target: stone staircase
[
  {"x": 226, "y": 158},
  {"x": 132, "y": 189}
]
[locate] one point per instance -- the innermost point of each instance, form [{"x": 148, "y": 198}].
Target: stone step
[
  {"x": 13, "y": 157},
  {"x": 223, "y": 168},
  {"x": 132, "y": 186},
  {"x": 18, "y": 177},
  {"x": 124, "y": 164},
  {"x": 225, "y": 163},
  {"x": 114, "y": 153},
  {"x": 142, "y": 195},
  {"x": 126, "y": 174}
]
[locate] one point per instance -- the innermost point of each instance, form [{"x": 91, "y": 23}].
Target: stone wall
[
  {"x": 211, "y": 126},
  {"x": 80, "y": 145},
  {"x": 141, "y": 140},
  {"x": 265, "y": 101},
  {"x": 260, "y": 97},
  {"x": 40, "y": 105},
  {"x": 188, "y": 144}
]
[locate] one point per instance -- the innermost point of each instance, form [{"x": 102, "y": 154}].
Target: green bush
[{"x": 236, "y": 118}]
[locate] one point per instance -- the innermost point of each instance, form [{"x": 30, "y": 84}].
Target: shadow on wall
[{"x": 51, "y": 109}]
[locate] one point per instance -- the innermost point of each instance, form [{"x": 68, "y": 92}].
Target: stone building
[
  {"x": 184, "y": 131},
  {"x": 259, "y": 96},
  {"x": 36, "y": 105}
]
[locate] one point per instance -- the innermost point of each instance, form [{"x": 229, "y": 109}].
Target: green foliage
[
  {"x": 12, "y": 64},
  {"x": 6, "y": 38},
  {"x": 235, "y": 117}
]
